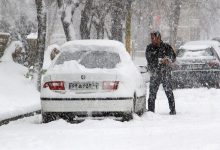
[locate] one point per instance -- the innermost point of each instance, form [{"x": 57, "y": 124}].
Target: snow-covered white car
[
  {"x": 92, "y": 78},
  {"x": 197, "y": 64}
]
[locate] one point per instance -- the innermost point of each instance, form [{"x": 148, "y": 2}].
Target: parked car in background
[
  {"x": 196, "y": 65},
  {"x": 92, "y": 78},
  {"x": 214, "y": 44}
]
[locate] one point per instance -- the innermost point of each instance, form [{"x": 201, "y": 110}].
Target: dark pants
[{"x": 156, "y": 79}]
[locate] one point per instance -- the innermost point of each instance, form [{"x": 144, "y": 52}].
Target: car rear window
[
  {"x": 68, "y": 56},
  {"x": 100, "y": 59},
  {"x": 91, "y": 59},
  {"x": 195, "y": 53}
]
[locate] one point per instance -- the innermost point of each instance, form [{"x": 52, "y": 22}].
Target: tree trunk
[
  {"x": 65, "y": 27},
  {"x": 117, "y": 17},
  {"x": 51, "y": 19},
  {"x": 85, "y": 20},
  {"x": 102, "y": 31},
  {"x": 66, "y": 23},
  {"x": 41, "y": 18},
  {"x": 174, "y": 22},
  {"x": 128, "y": 28},
  {"x": 99, "y": 26}
]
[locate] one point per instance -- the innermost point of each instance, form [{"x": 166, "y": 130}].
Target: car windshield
[
  {"x": 195, "y": 53},
  {"x": 91, "y": 59}
]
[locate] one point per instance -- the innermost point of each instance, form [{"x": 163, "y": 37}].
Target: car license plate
[
  {"x": 194, "y": 67},
  {"x": 83, "y": 85}
]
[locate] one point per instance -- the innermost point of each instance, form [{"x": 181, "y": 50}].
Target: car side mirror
[{"x": 143, "y": 69}]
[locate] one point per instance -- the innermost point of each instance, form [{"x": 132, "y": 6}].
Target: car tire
[
  {"x": 217, "y": 85},
  {"x": 141, "y": 112},
  {"x": 134, "y": 102},
  {"x": 213, "y": 84},
  {"x": 48, "y": 117},
  {"x": 127, "y": 117},
  {"x": 143, "y": 109}
]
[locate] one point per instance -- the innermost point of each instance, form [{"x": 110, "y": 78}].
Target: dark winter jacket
[{"x": 153, "y": 54}]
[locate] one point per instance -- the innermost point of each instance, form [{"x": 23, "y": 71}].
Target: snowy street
[
  {"x": 93, "y": 61},
  {"x": 195, "y": 127}
]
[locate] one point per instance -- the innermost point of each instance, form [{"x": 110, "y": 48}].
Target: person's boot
[
  {"x": 151, "y": 105},
  {"x": 150, "y": 110},
  {"x": 173, "y": 112}
]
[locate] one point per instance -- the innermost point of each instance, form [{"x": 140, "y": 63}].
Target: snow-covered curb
[{"x": 6, "y": 121}]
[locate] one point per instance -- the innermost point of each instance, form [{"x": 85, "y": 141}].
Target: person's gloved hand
[{"x": 165, "y": 61}]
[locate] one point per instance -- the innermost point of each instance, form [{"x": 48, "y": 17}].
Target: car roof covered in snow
[
  {"x": 106, "y": 45},
  {"x": 93, "y": 45}
]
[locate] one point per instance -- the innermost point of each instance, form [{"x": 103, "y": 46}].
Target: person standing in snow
[{"x": 159, "y": 56}]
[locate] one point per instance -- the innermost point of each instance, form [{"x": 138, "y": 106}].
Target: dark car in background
[{"x": 196, "y": 65}]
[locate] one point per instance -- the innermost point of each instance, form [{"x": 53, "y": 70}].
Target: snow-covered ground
[{"x": 195, "y": 127}]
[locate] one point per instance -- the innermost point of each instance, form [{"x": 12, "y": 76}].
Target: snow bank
[
  {"x": 11, "y": 48},
  {"x": 18, "y": 94}
]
